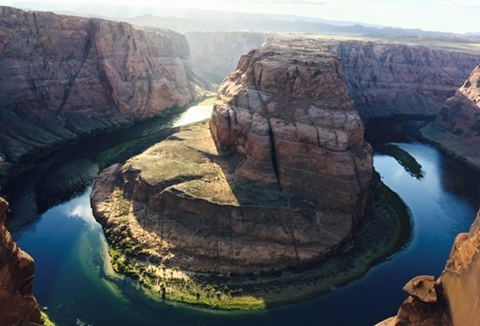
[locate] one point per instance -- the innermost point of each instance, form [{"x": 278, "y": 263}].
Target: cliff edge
[
  {"x": 18, "y": 306},
  {"x": 453, "y": 299},
  {"x": 457, "y": 127}
]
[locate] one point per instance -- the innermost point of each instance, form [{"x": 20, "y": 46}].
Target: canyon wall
[
  {"x": 18, "y": 306},
  {"x": 457, "y": 127},
  {"x": 64, "y": 76},
  {"x": 395, "y": 79},
  {"x": 215, "y": 55},
  {"x": 278, "y": 179},
  {"x": 383, "y": 79},
  {"x": 461, "y": 113}
]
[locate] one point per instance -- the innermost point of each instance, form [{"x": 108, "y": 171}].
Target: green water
[{"x": 69, "y": 247}]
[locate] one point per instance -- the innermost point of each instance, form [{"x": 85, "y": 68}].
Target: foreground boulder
[
  {"x": 453, "y": 299},
  {"x": 18, "y": 306},
  {"x": 279, "y": 179},
  {"x": 65, "y": 76}
]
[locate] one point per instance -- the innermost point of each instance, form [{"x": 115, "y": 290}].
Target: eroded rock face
[
  {"x": 63, "y": 76},
  {"x": 457, "y": 291},
  {"x": 395, "y": 79},
  {"x": 18, "y": 306},
  {"x": 278, "y": 179},
  {"x": 288, "y": 115},
  {"x": 461, "y": 113}
]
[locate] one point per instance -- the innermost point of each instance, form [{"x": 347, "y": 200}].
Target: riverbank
[
  {"x": 384, "y": 229},
  {"x": 463, "y": 149}
]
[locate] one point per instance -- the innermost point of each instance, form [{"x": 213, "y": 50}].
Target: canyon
[
  {"x": 63, "y": 77},
  {"x": 245, "y": 198},
  {"x": 240, "y": 194},
  {"x": 383, "y": 78},
  {"x": 453, "y": 297}
]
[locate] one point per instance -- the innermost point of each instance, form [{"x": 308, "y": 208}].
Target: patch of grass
[{"x": 45, "y": 320}]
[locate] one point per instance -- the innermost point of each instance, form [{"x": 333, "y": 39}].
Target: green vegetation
[
  {"x": 107, "y": 156},
  {"x": 383, "y": 230},
  {"x": 406, "y": 160},
  {"x": 45, "y": 320}
]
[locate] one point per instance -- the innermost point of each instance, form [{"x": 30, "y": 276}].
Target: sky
[{"x": 458, "y": 16}]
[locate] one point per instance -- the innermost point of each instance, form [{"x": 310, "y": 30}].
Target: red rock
[
  {"x": 63, "y": 76},
  {"x": 18, "y": 305},
  {"x": 461, "y": 113}
]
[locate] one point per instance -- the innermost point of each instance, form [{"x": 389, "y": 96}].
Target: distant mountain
[{"x": 188, "y": 20}]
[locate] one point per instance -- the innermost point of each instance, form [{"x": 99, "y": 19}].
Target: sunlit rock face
[
  {"x": 278, "y": 178},
  {"x": 287, "y": 114},
  {"x": 18, "y": 306},
  {"x": 454, "y": 298},
  {"x": 461, "y": 113},
  {"x": 63, "y": 76}
]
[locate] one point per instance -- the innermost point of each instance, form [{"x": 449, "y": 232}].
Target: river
[{"x": 52, "y": 220}]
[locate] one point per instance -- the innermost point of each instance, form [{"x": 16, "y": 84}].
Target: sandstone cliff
[
  {"x": 395, "y": 79},
  {"x": 453, "y": 299},
  {"x": 457, "y": 127},
  {"x": 279, "y": 180},
  {"x": 18, "y": 306},
  {"x": 215, "y": 55},
  {"x": 461, "y": 113},
  {"x": 64, "y": 76}
]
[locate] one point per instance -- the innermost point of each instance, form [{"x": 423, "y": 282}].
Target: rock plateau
[
  {"x": 280, "y": 178},
  {"x": 18, "y": 306},
  {"x": 65, "y": 76}
]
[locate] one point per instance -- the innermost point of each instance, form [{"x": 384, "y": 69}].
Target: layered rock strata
[
  {"x": 453, "y": 299},
  {"x": 457, "y": 127},
  {"x": 278, "y": 179},
  {"x": 64, "y": 76},
  {"x": 398, "y": 79},
  {"x": 461, "y": 113},
  {"x": 18, "y": 306},
  {"x": 383, "y": 79}
]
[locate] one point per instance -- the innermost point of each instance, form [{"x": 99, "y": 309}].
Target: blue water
[{"x": 69, "y": 249}]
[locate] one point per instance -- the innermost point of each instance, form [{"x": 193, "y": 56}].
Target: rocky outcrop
[
  {"x": 18, "y": 307},
  {"x": 279, "y": 179},
  {"x": 461, "y": 113},
  {"x": 289, "y": 117},
  {"x": 457, "y": 127},
  {"x": 453, "y": 299},
  {"x": 64, "y": 76},
  {"x": 215, "y": 55},
  {"x": 396, "y": 79}
]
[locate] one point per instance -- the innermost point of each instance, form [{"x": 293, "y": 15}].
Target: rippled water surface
[{"x": 69, "y": 247}]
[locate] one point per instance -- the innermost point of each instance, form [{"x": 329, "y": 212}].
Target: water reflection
[{"x": 71, "y": 259}]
